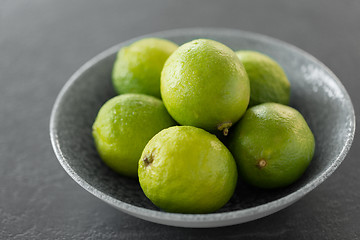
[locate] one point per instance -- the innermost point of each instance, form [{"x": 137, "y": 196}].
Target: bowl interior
[{"x": 315, "y": 92}]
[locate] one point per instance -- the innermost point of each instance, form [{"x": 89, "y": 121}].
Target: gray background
[{"x": 43, "y": 42}]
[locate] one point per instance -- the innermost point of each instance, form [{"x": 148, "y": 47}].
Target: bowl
[{"x": 315, "y": 91}]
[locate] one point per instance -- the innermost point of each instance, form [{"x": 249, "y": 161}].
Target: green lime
[
  {"x": 187, "y": 170},
  {"x": 204, "y": 84},
  {"x": 268, "y": 81},
  {"x": 124, "y": 125},
  {"x": 138, "y": 67},
  {"x": 272, "y": 145}
]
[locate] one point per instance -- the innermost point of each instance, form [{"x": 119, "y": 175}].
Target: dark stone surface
[{"x": 43, "y": 42}]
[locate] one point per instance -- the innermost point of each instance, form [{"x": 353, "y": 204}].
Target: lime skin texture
[
  {"x": 138, "y": 66},
  {"x": 268, "y": 81},
  {"x": 204, "y": 84},
  {"x": 123, "y": 127},
  {"x": 185, "y": 169},
  {"x": 272, "y": 145}
]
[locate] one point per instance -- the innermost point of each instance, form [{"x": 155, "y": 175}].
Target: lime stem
[
  {"x": 148, "y": 160},
  {"x": 224, "y": 127},
  {"x": 262, "y": 163}
]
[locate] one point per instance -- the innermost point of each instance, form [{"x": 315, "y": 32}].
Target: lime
[
  {"x": 124, "y": 125},
  {"x": 138, "y": 67},
  {"x": 187, "y": 170},
  {"x": 272, "y": 145},
  {"x": 203, "y": 84},
  {"x": 268, "y": 81}
]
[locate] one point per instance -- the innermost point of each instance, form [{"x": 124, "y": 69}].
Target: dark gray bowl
[{"x": 316, "y": 93}]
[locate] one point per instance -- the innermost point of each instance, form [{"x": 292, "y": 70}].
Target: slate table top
[{"x": 43, "y": 42}]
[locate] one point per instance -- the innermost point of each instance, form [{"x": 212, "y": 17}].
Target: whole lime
[
  {"x": 272, "y": 145},
  {"x": 187, "y": 170},
  {"x": 124, "y": 125},
  {"x": 203, "y": 84},
  {"x": 138, "y": 67},
  {"x": 268, "y": 81}
]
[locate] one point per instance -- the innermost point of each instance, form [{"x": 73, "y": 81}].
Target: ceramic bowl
[{"x": 315, "y": 91}]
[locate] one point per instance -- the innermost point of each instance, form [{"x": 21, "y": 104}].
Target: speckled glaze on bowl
[{"x": 316, "y": 93}]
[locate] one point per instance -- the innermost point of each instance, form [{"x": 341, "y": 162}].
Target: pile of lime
[{"x": 176, "y": 102}]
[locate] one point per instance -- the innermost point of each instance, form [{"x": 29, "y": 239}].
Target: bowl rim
[{"x": 272, "y": 206}]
